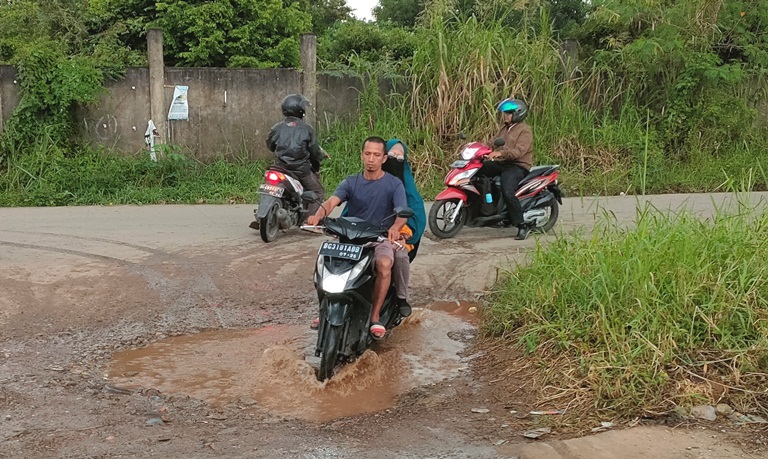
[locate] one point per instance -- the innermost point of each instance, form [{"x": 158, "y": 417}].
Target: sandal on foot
[
  {"x": 315, "y": 324},
  {"x": 378, "y": 331}
]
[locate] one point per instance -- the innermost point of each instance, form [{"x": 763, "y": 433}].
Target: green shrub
[{"x": 644, "y": 318}]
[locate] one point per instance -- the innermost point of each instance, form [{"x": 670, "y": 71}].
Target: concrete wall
[
  {"x": 230, "y": 110},
  {"x": 336, "y": 99},
  {"x": 118, "y": 120}
]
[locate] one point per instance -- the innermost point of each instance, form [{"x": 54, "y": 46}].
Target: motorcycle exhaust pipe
[
  {"x": 531, "y": 214},
  {"x": 534, "y": 216}
]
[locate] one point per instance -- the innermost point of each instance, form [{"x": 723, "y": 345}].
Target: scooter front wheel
[
  {"x": 440, "y": 217},
  {"x": 330, "y": 351},
  {"x": 268, "y": 224}
]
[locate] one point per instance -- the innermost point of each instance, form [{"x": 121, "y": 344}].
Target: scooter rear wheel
[
  {"x": 439, "y": 218},
  {"x": 268, "y": 225},
  {"x": 330, "y": 352},
  {"x": 554, "y": 212}
]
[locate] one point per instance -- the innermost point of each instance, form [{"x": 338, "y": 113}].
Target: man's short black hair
[{"x": 374, "y": 139}]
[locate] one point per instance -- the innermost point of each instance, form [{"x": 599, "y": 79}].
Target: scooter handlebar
[{"x": 384, "y": 238}]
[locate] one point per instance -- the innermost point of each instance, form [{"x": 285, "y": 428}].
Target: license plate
[
  {"x": 271, "y": 190},
  {"x": 459, "y": 164},
  {"x": 341, "y": 250}
]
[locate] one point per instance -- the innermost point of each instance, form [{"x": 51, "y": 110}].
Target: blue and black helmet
[{"x": 516, "y": 107}]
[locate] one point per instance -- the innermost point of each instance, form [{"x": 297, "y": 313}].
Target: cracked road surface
[{"x": 81, "y": 285}]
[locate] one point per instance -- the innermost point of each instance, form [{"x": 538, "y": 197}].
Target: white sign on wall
[{"x": 179, "y": 107}]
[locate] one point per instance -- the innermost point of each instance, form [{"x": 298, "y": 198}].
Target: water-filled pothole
[{"x": 274, "y": 365}]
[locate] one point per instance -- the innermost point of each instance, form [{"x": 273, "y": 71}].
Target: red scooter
[{"x": 477, "y": 200}]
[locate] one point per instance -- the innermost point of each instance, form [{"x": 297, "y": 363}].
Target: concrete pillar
[
  {"x": 157, "y": 108},
  {"x": 309, "y": 72}
]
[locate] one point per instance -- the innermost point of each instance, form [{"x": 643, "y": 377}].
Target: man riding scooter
[
  {"x": 397, "y": 164},
  {"x": 294, "y": 145},
  {"x": 513, "y": 160}
]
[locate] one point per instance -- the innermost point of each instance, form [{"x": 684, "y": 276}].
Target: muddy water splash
[{"x": 275, "y": 366}]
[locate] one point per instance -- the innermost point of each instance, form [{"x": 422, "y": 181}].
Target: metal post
[
  {"x": 157, "y": 108},
  {"x": 309, "y": 72}
]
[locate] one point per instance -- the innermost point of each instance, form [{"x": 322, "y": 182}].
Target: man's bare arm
[{"x": 325, "y": 209}]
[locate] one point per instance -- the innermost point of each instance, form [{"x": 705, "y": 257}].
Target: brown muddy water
[{"x": 275, "y": 365}]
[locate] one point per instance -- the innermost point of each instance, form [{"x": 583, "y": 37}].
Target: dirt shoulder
[{"x": 79, "y": 284}]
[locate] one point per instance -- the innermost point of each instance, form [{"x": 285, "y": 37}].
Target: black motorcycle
[
  {"x": 283, "y": 203},
  {"x": 344, "y": 281}
]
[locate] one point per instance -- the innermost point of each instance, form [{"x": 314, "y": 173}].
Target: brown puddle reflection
[
  {"x": 274, "y": 366},
  {"x": 467, "y": 310}
]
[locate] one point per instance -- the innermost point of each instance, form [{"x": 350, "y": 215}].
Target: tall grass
[
  {"x": 588, "y": 120},
  {"x": 461, "y": 69},
  {"x": 637, "y": 320},
  {"x": 383, "y": 111},
  {"x": 47, "y": 175}
]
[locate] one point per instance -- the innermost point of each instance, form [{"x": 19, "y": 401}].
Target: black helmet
[
  {"x": 516, "y": 107},
  {"x": 294, "y": 105}
]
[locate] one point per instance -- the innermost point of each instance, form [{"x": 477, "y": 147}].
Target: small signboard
[{"x": 179, "y": 107}]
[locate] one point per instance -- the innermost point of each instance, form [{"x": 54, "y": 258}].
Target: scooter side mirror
[
  {"x": 498, "y": 142},
  {"x": 404, "y": 212}
]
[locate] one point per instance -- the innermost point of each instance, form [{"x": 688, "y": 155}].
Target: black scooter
[
  {"x": 344, "y": 281},
  {"x": 283, "y": 203}
]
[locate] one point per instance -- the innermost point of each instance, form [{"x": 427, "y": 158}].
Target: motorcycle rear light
[{"x": 273, "y": 178}]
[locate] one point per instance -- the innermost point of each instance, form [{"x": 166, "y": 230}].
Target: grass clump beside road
[
  {"x": 51, "y": 176},
  {"x": 635, "y": 321}
]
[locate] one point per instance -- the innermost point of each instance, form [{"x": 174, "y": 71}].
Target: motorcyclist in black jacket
[{"x": 294, "y": 145}]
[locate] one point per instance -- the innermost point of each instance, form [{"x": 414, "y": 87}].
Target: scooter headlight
[
  {"x": 335, "y": 283},
  {"x": 462, "y": 178},
  {"x": 359, "y": 267},
  {"x": 468, "y": 153}
]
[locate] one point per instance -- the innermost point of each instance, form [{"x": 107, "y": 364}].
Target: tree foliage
[
  {"x": 325, "y": 13},
  {"x": 695, "y": 64},
  {"x": 402, "y": 13},
  {"x": 219, "y": 33},
  {"x": 370, "y": 41},
  {"x": 567, "y": 15},
  {"x": 52, "y": 47}
]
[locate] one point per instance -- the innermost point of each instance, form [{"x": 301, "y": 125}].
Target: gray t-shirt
[{"x": 372, "y": 200}]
